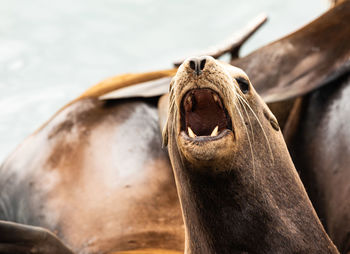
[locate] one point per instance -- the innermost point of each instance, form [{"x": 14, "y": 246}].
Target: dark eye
[{"x": 243, "y": 85}]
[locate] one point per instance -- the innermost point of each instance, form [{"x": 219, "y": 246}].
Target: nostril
[
  {"x": 202, "y": 64},
  {"x": 192, "y": 65},
  {"x": 197, "y": 64}
]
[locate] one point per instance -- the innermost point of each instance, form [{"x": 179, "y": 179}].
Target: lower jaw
[
  {"x": 203, "y": 140},
  {"x": 206, "y": 149}
]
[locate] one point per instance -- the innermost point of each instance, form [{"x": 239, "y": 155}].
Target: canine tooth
[
  {"x": 188, "y": 103},
  {"x": 189, "y": 100},
  {"x": 215, "y": 131},
  {"x": 217, "y": 100},
  {"x": 191, "y": 133}
]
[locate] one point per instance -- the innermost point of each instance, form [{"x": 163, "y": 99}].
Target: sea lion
[
  {"x": 319, "y": 144},
  {"x": 238, "y": 188},
  {"x": 96, "y": 176},
  {"x": 302, "y": 61},
  {"x": 21, "y": 161},
  {"x": 306, "y": 84},
  {"x": 335, "y": 2}
]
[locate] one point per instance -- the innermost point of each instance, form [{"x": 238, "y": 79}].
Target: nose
[{"x": 197, "y": 64}]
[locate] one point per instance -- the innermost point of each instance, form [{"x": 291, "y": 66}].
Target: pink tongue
[{"x": 202, "y": 113}]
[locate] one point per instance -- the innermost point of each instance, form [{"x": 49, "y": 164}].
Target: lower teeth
[
  {"x": 214, "y": 133},
  {"x": 191, "y": 133}
]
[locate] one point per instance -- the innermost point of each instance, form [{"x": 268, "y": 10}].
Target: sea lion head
[
  {"x": 216, "y": 119},
  {"x": 235, "y": 178}
]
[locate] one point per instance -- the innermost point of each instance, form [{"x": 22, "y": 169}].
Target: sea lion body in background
[
  {"x": 304, "y": 78},
  {"x": 96, "y": 176},
  {"x": 238, "y": 188},
  {"x": 330, "y": 66},
  {"x": 320, "y": 146}
]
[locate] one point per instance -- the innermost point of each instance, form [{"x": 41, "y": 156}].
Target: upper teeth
[{"x": 217, "y": 100}]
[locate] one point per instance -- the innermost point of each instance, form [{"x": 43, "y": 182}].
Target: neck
[{"x": 234, "y": 212}]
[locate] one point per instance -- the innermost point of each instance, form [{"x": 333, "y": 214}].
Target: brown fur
[
  {"x": 115, "y": 83},
  {"x": 97, "y": 177},
  {"x": 235, "y": 201},
  {"x": 319, "y": 56},
  {"x": 304, "y": 60},
  {"x": 319, "y": 145},
  {"x": 148, "y": 251}
]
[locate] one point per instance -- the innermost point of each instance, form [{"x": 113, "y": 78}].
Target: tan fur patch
[{"x": 124, "y": 80}]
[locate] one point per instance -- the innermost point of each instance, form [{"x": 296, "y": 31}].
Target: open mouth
[{"x": 203, "y": 114}]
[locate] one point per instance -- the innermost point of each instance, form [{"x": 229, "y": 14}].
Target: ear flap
[
  {"x": 303, "y": 61},
  {"x": 281, "y": 110}
]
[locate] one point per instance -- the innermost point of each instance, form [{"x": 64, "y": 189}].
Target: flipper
[
  {"x": 19, "y": 238},
  {"x": 301, "y": 62},
  {"x": 304, "y": 60},
  {"x": 152, "y": 84},
  {"x": 233, "y": 44}
]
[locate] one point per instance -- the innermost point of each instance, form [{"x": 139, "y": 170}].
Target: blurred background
[{"x": 51, "y": 51}]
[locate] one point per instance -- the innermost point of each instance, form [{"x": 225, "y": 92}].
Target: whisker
[
  {"x": 249, "y": 141},
  {"x": 250, "y": 123},
  {"x": 267, "y": 140}
]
